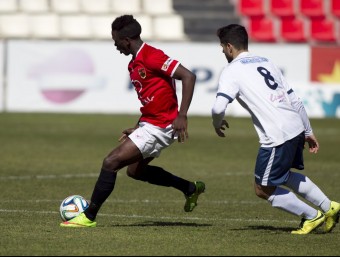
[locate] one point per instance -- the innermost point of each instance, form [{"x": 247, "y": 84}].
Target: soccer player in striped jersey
[
  {"x": 153, "y": 75},
  {"x": 283, "y": 127}
]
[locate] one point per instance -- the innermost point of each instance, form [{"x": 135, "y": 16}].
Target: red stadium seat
[
  {"x": 323, "y": 30},
  {"x": 335, "y": 8},
  {"x": 262, "y": 29},
  {"x": 251, "y": 8},
  {"x": 313, "y": 8},
  {"x": 294, "y": 30},
  {"x": 283, "y": 8}
]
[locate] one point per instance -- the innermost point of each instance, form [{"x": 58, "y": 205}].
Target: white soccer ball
[{"x": 72, "y": 206}]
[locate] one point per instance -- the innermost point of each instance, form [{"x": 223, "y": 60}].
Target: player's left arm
[
  {"x": 180, "y": 124},
  {"x": 299, "y": 107}
]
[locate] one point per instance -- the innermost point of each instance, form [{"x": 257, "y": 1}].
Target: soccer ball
[{"x": 72, "y": 206}]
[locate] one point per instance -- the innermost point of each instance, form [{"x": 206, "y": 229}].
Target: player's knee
[
  {"x": 260, "y": 193},
  {"x": 264, "y": 192},
  {"x": 134, "y": 173},
  {"x": 111, "y": 162},
  {"x": 131, "y": 173}
]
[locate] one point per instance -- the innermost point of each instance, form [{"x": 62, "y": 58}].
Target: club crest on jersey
[
  {"x": 166, "y": 65},
  {"x": 142, "y": 73}
]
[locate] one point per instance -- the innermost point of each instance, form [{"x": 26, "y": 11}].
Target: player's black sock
[
  {"x": 104, "y": 187},
  {"x": 158, "y": 176}
]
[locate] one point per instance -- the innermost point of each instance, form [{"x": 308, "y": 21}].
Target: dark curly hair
[{"x": 127, "y": 26}]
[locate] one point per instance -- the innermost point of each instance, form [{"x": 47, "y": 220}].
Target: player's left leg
[
  {"x": 152, "y": 141},
  {"x": 158, "y": 176}
]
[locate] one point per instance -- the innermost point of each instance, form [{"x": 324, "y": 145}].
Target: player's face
[
  {"x": 122, "y": 44},
  {"x": 227, "y": 52}
]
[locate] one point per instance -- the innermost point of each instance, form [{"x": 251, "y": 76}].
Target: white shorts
[{"x": 151, "y": 140}]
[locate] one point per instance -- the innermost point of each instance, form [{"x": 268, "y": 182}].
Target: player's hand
[
  {"x": 125, "y": 134},
  {"x": 313, "y": 144},
  {"x": 180, "y": 127},
  {"x": 219, "y": 131}
]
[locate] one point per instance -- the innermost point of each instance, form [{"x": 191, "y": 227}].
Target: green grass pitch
[{"x": 46, "y": 157}]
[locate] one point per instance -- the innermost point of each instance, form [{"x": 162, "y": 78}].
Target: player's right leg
[
  {"x": 124, "y": 155},
  {"x": 81, "y": 221}
]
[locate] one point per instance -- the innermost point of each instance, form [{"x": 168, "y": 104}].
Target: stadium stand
[
  {"x": 283, "y": 8},
  {"x": 34, "y": 6},
  {"x": 324, "y": 30},
  {"x": 8, "y": 6},
  {"x": 9, "y": 25},
  {"x": 65, "y": 6},
  {"x": 45, "y": 26},
  {"x": 293, "y": 21},
  {"x": 335, "y": 8},
  {"x": 294, "y": 29},
  {"x": 126, "y": 6},
  {"x": 262, "y": 29},
  {"x": 99, "y": 6},
  {"x": 252, "y": 8},
  {"x": 202, "y": 18},
  {"x": 287, "y": 21},
  {"x": 313, "y": 8}
]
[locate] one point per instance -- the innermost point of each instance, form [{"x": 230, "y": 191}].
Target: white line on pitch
[
  {"x": 143, "y": 201},
  {"x": 87, "y": 175},
  {"x": 95, "y": 175},
  {"x": 157, "y": 217}
]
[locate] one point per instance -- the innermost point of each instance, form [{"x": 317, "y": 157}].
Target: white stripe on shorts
[{"x": 268, "y": 169}]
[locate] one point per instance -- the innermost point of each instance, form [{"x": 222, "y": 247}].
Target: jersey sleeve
[
  {"x": 159, "y": 62},
  {"x": 300, "y": 109},
  {"x": 227, "y": 87},
  {"x": 227, "y": 92}
]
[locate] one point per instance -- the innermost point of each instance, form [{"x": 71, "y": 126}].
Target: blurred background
[{"x": 58, "y": 56}]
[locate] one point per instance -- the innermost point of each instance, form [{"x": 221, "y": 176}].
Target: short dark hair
[
  {"x": 127, "y": 26},
  {"x": 234, "y": 34}
]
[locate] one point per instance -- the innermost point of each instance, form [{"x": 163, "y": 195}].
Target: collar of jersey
[{"x": 241, "y": 55}]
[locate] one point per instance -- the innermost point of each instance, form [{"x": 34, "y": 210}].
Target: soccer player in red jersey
[{"x": 153, "y": 75}]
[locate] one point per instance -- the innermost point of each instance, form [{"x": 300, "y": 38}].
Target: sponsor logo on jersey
[{"x": 167, "y": 64}]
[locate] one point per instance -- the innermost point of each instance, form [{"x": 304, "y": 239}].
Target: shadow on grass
[
  {"x": 275, "y": 229},
  {"x": 266, "y": 228},
  {"x": 162, "y": 224}
]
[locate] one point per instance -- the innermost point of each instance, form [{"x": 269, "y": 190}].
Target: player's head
[
  {"x": 233, "y": 39},
  {"x": 124, "y": 30}
]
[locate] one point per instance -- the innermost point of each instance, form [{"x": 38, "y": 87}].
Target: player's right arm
[
  {"x": 128, "y": 132},
  {"x": 227, "y": 92},
  {"x": 218, "y": 114}
]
